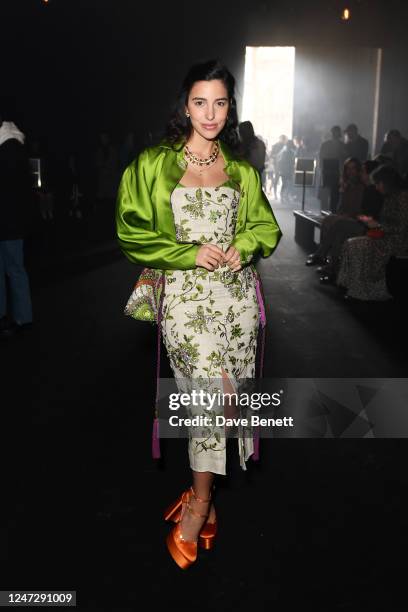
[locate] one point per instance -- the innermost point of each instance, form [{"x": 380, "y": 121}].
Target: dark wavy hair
[
  {"x": 389, "y": 176},
  {"x": 179, "y": 126},
  {"x": 370, "y": 165}
]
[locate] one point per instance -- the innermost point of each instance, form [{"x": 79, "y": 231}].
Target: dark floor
[{"x": 315, "y": 525}]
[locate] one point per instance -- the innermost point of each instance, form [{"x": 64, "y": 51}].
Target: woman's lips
[{"x": 209, "y": 126}]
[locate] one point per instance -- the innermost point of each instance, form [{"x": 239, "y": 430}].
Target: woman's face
[
  {"x": 352, "y": 170},
  {"x": 208, "y": 106}
]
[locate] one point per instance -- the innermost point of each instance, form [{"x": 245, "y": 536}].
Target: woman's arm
[
  {"x": 135, "y": 223},
  {"x": 261, "y": 232}
]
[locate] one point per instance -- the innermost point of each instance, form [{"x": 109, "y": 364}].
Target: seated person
[
  {"x": 364, "y": 259},
  {"x": 347, "y": 227},
  {"x": 351, "y": 194}
]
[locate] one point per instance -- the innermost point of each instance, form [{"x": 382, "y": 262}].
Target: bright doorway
[{"x": 269, "y": 91}]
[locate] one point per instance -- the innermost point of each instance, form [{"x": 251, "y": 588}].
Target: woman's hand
[
  {"x": 372, "y": 223},
  {"x": 210, "y": 257},
  {"x": 364, "y": 218},
  {"x": 233, "y": 259},
  {"x": 369, "y": 221}
]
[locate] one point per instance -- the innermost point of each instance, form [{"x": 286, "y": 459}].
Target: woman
[
  {"x": 351, "y": 188},
  {"x": 190, "y": 207},
  {"x": 351, "y": 196},
  {"x": 364, "y": 259},
  {"x": 347, "y": 227}
]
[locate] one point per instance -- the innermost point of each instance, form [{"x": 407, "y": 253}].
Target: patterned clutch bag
[{"x": 145, "y": 301}]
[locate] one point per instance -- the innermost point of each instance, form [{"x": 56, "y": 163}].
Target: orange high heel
[
  {"x": 184, "y": 552},
  {"x": 207, "y": 535},
  {"x": 208, "y": 532}
]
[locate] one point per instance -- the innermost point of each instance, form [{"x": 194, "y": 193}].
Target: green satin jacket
[{"x": 144, "y": 218}]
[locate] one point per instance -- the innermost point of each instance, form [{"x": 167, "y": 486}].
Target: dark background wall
[
  {"x": 76, "y": 67},
  {"x": 334, "y": 86},
  {"x": 394, "y": 87}
]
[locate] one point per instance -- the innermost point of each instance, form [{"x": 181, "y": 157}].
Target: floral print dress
[{"x": 210, "y": 322}]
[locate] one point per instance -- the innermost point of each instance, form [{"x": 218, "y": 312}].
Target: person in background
[
  {"x": 355, "y": 145},
  {"x": 276, "y": 149},
  {"x": 351, "y": 190},
  {"x": 268, "y": 172},
  {"x": 299, "y": 147},
  {"x": 331, "y": 157},
  {"x": 252, "y": 148},
  {"x": 265, "y": 158},
  {"x": 348, "y": 227},
  {"x": 16, "y": 218},
  {"x": 285, "y": 163},
  {"x": 395, "y": 148},
  {"x": 373, "y": 200},
  {"x": 364, "y": 259}
]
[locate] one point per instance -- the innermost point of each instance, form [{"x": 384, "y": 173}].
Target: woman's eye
[
  {"x": 198, "y": 102},
  {"x": 221, "y": 103}
]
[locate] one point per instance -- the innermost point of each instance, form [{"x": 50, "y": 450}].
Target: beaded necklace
[{"x": 199, "y": 161}]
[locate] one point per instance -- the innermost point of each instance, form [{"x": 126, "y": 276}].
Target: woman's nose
[{"x": 210, "y": 113}]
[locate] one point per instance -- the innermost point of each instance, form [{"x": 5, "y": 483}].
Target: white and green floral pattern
[{"x": 210, "y": 319}]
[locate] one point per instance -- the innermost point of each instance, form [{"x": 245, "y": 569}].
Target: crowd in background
[
  {"x": 368, "y": 205},
  {"x": 277, "y": 164},
  {"x": 367, "y": 200},
  {"x": 75, "y": 185},
  {"x": 52, "y": 205}
]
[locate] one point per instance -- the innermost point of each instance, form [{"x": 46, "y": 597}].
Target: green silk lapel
[{"x": 171, "y": 173}]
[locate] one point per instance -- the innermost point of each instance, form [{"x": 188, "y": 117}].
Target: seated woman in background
[
  {"x": 347, "y": 227},
  {"x": 351, "y": 197},
  {"x": 364, "y": 259}
]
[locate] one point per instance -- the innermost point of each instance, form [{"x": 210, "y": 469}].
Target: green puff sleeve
[
  {"x": 135, "y": 223},
  {"x": 261, "y": 231}
]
